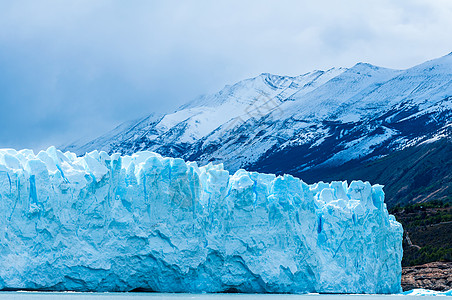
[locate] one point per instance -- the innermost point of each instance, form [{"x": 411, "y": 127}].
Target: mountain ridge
[{"x": 282, "y": 124}]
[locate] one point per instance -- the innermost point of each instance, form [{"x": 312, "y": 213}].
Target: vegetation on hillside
[
  {"x": 415, "y": 174},
  {"x": 427, "y": 233}
]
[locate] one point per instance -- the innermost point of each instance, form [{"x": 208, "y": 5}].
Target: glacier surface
[
  {"x": 118, "y": 223},
  {"x": 424, "y": 292}
]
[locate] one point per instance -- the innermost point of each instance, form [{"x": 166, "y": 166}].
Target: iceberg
[
  {"x": 425, "y": 292},
  {"x": 104, "y": 222}
]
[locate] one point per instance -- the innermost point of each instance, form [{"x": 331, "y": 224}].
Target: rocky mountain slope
[
  {"x": 305, "y": 125},
  {"x": 433, "y": 276},
  {"x": 415, "y": 174}
]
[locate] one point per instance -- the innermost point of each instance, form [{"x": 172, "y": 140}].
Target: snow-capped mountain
[{"x": 282, "y": 124}]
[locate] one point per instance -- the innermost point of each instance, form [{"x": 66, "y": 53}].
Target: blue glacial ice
[
  {"x": 118, "y": 223},
  {"x": 424, "y": 292}
]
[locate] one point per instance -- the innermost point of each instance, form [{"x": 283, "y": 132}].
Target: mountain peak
[
  {"x": 272, "y": 114},
  {"x": 274, "y": 77},
  {"x": 275, "y": 81},
  {"x": 372, "y": 71},
  {"x": 440, "y": 65},
  {"x": 361, "y": 66}
]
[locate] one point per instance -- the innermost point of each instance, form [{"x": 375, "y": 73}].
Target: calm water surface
[{"x": 159, "y": 296}]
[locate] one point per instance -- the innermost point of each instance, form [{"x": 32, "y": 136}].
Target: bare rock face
[{"x": 433, "y": 276}]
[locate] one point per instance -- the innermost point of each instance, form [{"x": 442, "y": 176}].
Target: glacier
[{"x": 103, "y": 222}]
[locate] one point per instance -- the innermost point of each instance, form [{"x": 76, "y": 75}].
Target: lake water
[{"x": 159, "y": 296}]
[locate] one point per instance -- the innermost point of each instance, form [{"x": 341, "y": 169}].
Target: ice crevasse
[{"x": 118, "y": 223}]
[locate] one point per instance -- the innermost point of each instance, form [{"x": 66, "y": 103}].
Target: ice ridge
[{"x": 117, "y": 223}]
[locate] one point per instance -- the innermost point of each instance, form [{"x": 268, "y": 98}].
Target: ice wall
[{"x": 118, "y": 223}]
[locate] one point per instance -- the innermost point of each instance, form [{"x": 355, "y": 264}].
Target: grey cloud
[{"x": 70, "y": 69}]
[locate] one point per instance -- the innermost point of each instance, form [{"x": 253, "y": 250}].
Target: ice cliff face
[{"x": 117, "y": 223}]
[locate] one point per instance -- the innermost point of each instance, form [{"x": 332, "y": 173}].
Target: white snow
[
  {"x": 424, "y": 292},
  {"x": 242, "y": 122}
]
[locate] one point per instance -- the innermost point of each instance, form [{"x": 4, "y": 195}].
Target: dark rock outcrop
[{"x": 433, "y": 276}]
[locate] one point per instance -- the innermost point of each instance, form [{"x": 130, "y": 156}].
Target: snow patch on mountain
[{"x": 315, "y": 119}]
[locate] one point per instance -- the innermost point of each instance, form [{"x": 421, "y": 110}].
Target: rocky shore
[{"x": 433, "y": 276}]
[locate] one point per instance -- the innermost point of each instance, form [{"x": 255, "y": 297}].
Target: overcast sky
[{"x": 74, "y": 69}]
